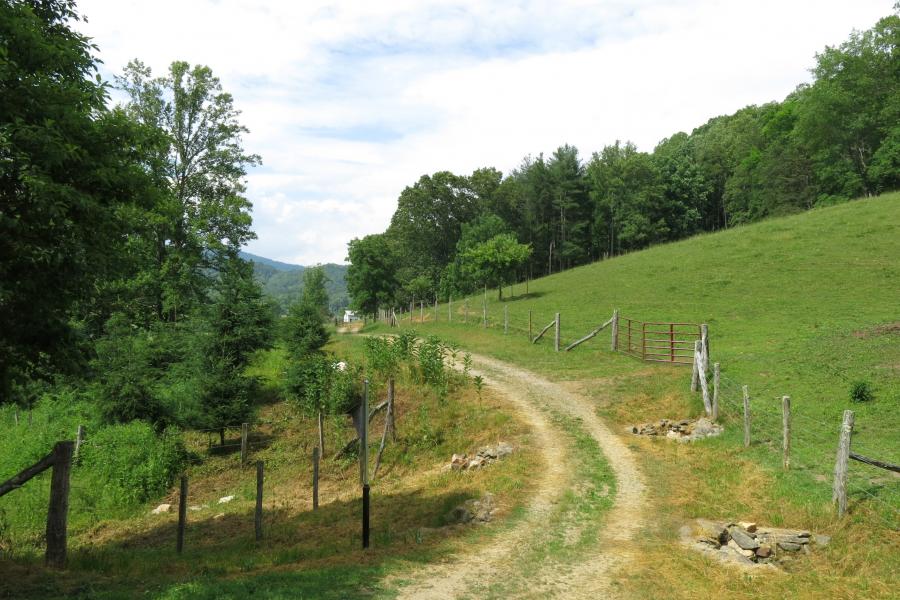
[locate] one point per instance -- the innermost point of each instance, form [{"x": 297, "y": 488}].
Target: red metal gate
[{"x": 658, "y": 342}]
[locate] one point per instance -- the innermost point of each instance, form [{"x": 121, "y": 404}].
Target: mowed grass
[
  {"x": 803, "y": 306},
  {"x": 305, "y": 553}
]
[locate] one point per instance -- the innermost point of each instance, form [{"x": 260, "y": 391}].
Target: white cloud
[{"x": 350, "y": 102}]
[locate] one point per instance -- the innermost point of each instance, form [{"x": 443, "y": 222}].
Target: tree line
[
  {"x": 120, "y": 231},
  {"x": 834, "y": 139}
]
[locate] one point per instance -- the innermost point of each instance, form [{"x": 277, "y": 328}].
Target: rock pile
[
  {"x": 747, "y": 544},
  {"x": 686, "y": 430},
  {"x": 479, "y": 511},
  {"x": 484, "y": 456}
]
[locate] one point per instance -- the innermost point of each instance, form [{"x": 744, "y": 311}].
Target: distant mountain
[{"x": 284, "y": 282}]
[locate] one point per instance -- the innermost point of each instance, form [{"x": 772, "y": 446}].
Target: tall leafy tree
[
  {"x": 67, "y": 173},
  {"x": 202, "y": 216},
  {"x": 371, "y": 276}
]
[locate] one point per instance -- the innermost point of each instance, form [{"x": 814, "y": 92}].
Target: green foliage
[
  {"x": 303, "y": 330},
  {"x": 861, "y": 391},
  {"x": 314, "y": 292},
  {"x": 132, "y": 462},
  {"x": 495, "y": 261},
  {"x": 308, "y": 382},
  {"x": 371, "y": 277}
]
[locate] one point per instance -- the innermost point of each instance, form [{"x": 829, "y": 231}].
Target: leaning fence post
[
  {"x": 58, "y": 512},
  {"x": 839, "y": 491},
  {"x": 614, "y": 336},
  {"x": 505, "y": 320},
  {"x": 746, "y": 417},
  {"x": 715, "y": 398},
  {"x": 557, "y": 332},
  {"x": 695, "y": 375},
  {"x": 786, "y": 432},
  {"x": 182, "y": 513},
  {"x": 257, "y": 521},
  {"x": 315, "y": 478},
  {"x": 245, "y": 430}
]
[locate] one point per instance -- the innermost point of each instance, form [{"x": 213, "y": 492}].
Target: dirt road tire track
[{"x": 594, "y": 571}]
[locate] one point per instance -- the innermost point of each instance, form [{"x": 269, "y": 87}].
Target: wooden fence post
[
  {"x": 245, "y": 431},
  {"x": 786, "y": 432},
  {"x": 364, "y": 463},
  {"x": 484, "y": 308},
  {"x": 79, "y": 439},
  {"x": 421, "y": 311},
  {"x": 58, "y": 512},
  {"x": 695, "y": 375},
  {"x": 704, "y": 337},
  {"x": 466, "y": 313},
  {"x": 746, "y": 417},
  {"x": 557, "y": 332},
  {"x": 16, "y": 417},
  {"x": 505, "y": 320},
  {"x": 530, "y": 334},
  {"x": 449, "y": 309},
  {"x": 715, "y": 398},
  {"x": 257, "y": 521},
  {"x": 839, "y": 490},
  {"x": 704, "y": 385},
  {"x": 182, "y": 513},
  {"x": 412, "y": 307},
  {"x": 315, "y": 478},
  {"x": 435, "y": 309},
  {"x": 614, "y": 336}
]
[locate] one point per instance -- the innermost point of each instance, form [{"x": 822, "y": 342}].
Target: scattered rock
[
  {"x": 459, "y": 514},
  {"x": 480, "y": 511},
  {"x": 482, "y": 458},
  {"x": 226, "y": 499},
  {"x": 219, "y": 516},
  {"x": 162, "y": 508},
  {"x": 746, "y": 544},
  {"x": 195, "y": 507},
  {"x": 686, "y": 430},
  {"x": 742, "y": 538}
]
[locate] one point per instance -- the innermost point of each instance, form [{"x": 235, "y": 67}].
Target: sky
[{"x": 348, "y": 103}]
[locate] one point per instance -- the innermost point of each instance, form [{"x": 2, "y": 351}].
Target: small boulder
[
  {"x": 742, "y": 538},
  {"x": 789, "y": 546},
  {"x": 742, "y": 551},
  {"x": 748, "y": 526},
  {"x": 764, "y": 552},
  {"x": 162, "y": 508},
  {"x": 226, "y": 499}
]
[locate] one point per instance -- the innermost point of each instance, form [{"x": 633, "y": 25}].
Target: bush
[
  {"x": 861, "y": 391},
  {"x": 132, "y": 462}
]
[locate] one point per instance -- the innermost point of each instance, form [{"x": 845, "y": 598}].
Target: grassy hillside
[{"x": 805, "y": 306}]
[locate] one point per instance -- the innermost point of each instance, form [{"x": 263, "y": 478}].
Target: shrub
[{"x": 861, "y": 391}]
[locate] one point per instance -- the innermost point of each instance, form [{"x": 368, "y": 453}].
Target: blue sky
[{"x": 349, "y": 102}]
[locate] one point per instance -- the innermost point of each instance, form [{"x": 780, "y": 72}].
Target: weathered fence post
[
  {"x": 484, "y": 308},
  {"x": 786, "y": 432},
  {"x": 466, "y": 313},
  {"x": 364, "y": 463},
  {"x": 16, "y": 417},
  {"x": 839, "y": 490},
  {"x": 695, "y": 375},
  {"x": 245, "y": 431},
  {"x": 715, "y": 398},
  {"x": 257, "y": 521},
  {"x": 557, "y": 332},
  {"x": 421, "y": 311},
  {"x": 435, "y": 309},
  {"x": 704, "y": 337},
  {"x": 182, "y": 513},
  {"x": 315, "y": 478},
  {"x": 449, "y": 309},
  {"x": 614, "y": 337},
  {"x": 530, "y": 334},
  {"x": 58, "y": 512},
  {"x": 505, "y": 320},
  {"x": 701, "y": 375},
  {"x": 79, "y": 439},
  {"x": 412, "y": 307},
  {"x": 746, "y": 417}
]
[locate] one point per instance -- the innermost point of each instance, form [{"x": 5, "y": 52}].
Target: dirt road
[{"x": 496, "y": 569}]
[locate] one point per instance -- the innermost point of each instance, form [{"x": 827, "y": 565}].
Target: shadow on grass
[{"x": 315, "y": 554}]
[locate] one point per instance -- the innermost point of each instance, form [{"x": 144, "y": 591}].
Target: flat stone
[
  {"x": 734, "y": 555},
  {"x": 162, "y": 508},
  {"x": 226, "y": 499},
  {"x": 742, "y": 551},
  {"x": 504, "y": 449},
  {"x": 748, "y": 526},
  {"x": 742, "y": 538},
  {"x": 793, "y": 539},
  {"x": 789, "y": 546},
  {"x": 195, "y": 507},
  {"x": 764, "y": 552}
]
